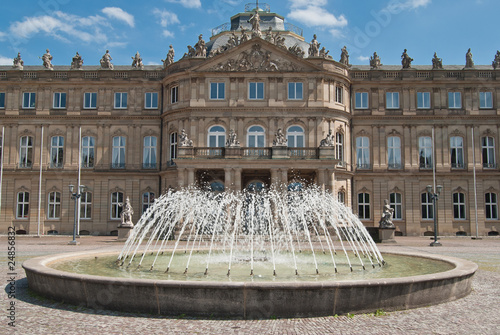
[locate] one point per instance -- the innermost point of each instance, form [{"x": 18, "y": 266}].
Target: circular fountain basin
[{"x": 249, "y": 299}]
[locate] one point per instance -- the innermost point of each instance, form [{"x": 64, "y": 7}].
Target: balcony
[{"x": 256, "y": 153}]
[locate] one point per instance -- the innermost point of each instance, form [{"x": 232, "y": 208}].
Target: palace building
[{"x": 256, "y": 105}]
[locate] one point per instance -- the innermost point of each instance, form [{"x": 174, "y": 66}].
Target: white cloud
[
  {"x": 5, "y": 60},
  {"x": 337, "y": 33},
  {"x": 312, "y": 16},
  {"x": 187, "y": 3},
  {"x": 364, "y": 58},
  {"x": 167, "y": 33},
  {"x": 399, "y": 5},
  {"x": 166, "y": 17},
  {"x": 305, "y": 3},
  {"x": 119, "y": 14},
  {"x": 3, "y": 36}
]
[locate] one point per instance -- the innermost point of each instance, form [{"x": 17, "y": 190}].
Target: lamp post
[
  {"x": 434, "y": 198},
  {"x": 75, "y": 196}
]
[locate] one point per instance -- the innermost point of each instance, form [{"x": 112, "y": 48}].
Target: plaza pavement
[{"x": 478, "y": 313}]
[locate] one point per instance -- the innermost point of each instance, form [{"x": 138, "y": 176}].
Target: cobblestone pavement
[{"x": 478, "y": 313}]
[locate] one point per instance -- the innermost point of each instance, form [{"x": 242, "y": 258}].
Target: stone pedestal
[
  {"x": 326, "y": 153},
  {"x": 185, "y": 152},
  {"x": 280, "y": 152},
  {"x": 124, "y": 232},
  {"x": 386, "y": 235},
  {"x": 232, "y": 152}
]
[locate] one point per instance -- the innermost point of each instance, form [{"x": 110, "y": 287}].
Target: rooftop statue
[
  {"x": 387, "y": 212},
  {"x": 437, "y": 63},
  {"x": 126, "y": 215},
  {"x": 279, "y": 41},
  {"x": 255, "y": 21},
  {"x": 184, "y": 141},
  {"x": 137, "y": 61},
  {"x": 314, "y": 47},
  {"x": 297, "y": 51},
  {"x": 496, "y": 61},
  {"x": 106, "y": 61},
  {"x": 233, "y": 41},
  {"x": 191, "y": 52},
  {"x": 328, "y": 141},
  {"x": 375, "y": 61},
  {"x": 47, "y": 58},
  {"x": 269, "y": 35},
  {"x": 170, "y": 56},
  {"x": 344, "y": 56},
  {"x": 232, "y": 140},
  {"x": 244, "y": 35},
  {"x": 280, "y": 139},
  {"x": 18, "y": 62},
  {"x": 406, "y": 60},
  {"x": 77, "y": 62},
  {"x": 469, "y": 63},
  {"x": 323, "y": 53},
  {"x": 201, "y": 50}
]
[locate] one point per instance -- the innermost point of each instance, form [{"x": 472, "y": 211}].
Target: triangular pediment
[{"x": 256, "y": 55}]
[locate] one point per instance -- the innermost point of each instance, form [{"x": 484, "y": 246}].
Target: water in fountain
[{"x": 272, "y": 226}]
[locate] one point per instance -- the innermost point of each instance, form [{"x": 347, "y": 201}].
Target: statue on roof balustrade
[
  {"x": 47, "y": 60},
  {"x": 469, "y": 63},
  {"x": 406, "y": 60},
  {"x": 77, "y": 62},
  {"x": 255, "y": 21},
  {"x": 201, "y": 50},
  {"x": 106, "y": 61},
  {"x": 437, "y": 63},
  {"x": 496, "y": 61},
  {"x": 314, "y": 47},
  {"x": 18, "y": 62},
  {"x": 375, "y": 61},
  {"x": 170, "y": 56},
  {"x": 344, "y": 56},
  {"x": 137, "y": 61}
]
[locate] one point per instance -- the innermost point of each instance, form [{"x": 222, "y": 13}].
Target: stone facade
[{"x": 130, "y": 119}]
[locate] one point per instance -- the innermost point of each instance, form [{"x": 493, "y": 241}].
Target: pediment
[{"x": 256, "y": 55}]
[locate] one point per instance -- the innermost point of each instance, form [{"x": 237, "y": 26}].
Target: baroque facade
[{"x": 256, "y": 105}]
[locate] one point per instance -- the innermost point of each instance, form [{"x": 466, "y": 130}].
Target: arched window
[
  {"x": 295, "y": 137},
  {"x": 118, "y": 159},
  {"x": 362, "y": 152},
  {"x": 26, "y": 152},
  {"x": 394, "y": 152},
  {"x": 457, "y": 152},
  {"x": 396, "y": 203},
  {"x": 425, "y": 152},
  {"x": 255, "y": 186},
  {"x": 216, "y": 186},
  {"x": 54, "y": 203},
  {"x": 216, "y": 137},
  {"x": 488, "y": 150},
  {"x": 256, "y": 137},
  {"x": 296, "y": 186},
  {"x": 147, "y": 200},
  {"x": 149, "y": 153},
  {"x": 56, "y": 151},
  {"x": 88, "y": 147},
  {"x": 341, "y": 197},
  {"x": 173, "y": 146},
  {"x": 339, "y": 144}
]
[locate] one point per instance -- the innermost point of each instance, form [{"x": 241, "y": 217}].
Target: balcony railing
[
  {"x": 303, "y": 153},
  {"x": 254, "y": 153},
  {"x": 490, "y": 165},
  {"x": 257, "y": 152}
]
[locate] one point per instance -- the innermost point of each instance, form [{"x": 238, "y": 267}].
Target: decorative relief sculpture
[
  {"x": 386, "y": 220},
  {"x": 297, "y": 51},
  {"x": 200, "y": 49},
  {"x": 375, "y": 61},
  {"x": 126, "y": 215},
  {"x": 106, "y": 61},
  {"x": 137, "y": 61},
  {"x": 469, "y": 63},
  {"x": 437, "y": 63},
  {"x": 280, "y": 139},
  {"x": 328, "y": 141},
  {"x": 269, "y": 35},
  {"x": 47, "y": 60},
  {"x": 77, "y": 62},
  {"x": 170, "y": 56},
  {"x": 191, "y": 52},
  {"x": 323, "y": 53},
  {"x": 255, "y": 21},
  {"x": 344, "y": 56},
  {"x": 279, "y": 41},
  {"x": 496, "y": 61},
  {"x": 184, "y": 141},
  {"x": 18, "y": 62},
  {"x": 314, "y": 47},
  {"x": 233, "y": 41},
  {"x": 406, "y": 60},
  {"x": 244, "y": 36},
  {"x": 232, "y": 140}
]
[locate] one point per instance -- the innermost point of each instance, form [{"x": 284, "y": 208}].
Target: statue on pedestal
[
  {"x": 106, "y": 61},
  {"x": 170, "y": 56},
  {"x": 255, "y": 21},
  {"x": 314, "y": 47},
  {"x": 280, "y": 139},
  {"x": 18, "y": 62},
  {"x": 387, "y": 212},
  {"x": 201, "y": 50},
  {"x": 406, "y": 60},
  {"x": 184, "y": 141},
  {"x": 437, "y": 63},
  {"x": 47, "y": 58},
  {"x": 137, "y": 61},
  {"x": 126, "y": 215},
  {"x": 469, "y": 63},
  {"x": 375, "y": 61},
  {"x": 77, "y": 62},
  {"x": 344, "y": 56},
  {"x": 232, "y": 140},
  {"x": 496, "y": 61},
  {"x": 328, "y": 141}
]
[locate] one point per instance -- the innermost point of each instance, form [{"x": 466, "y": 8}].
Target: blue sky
[{"x": 448, "y": 27}]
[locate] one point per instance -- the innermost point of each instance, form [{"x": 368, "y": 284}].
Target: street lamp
[
  {"x": 434, "y": 197},
  {"x": 75, "y": 196}
]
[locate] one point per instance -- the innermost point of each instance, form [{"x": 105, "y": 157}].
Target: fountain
[{"x": 280, "y": 252}]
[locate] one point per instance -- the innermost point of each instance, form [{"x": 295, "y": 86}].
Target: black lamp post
[
  {"x": 75, "y": 196},
  {"x": 435, "y": 197}
]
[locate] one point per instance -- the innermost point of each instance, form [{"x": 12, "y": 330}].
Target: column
[
  {"x": 181, "y": 174},
  {"x": 228, "y": 179},
  {"x": 274, "y": 177},
  {"x": 237, "y": 179},
  {"x": 190, "y": 176}
]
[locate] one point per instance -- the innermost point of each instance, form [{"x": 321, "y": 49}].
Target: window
[
  {"x": 427, "y": 207},
  {"x": 56, "y": 151},
  {"x": 392, "y": 100},
  {"x": 89, "y": 100},
  {"x": 88, "y": 143},
  {"x": 425, "y": 152},
  {"x": 174, "y": 94},
  {"x": 29, "y": 100},
  {"x": 60, "y": 100},
  {"x": 339, "y": 94},
  {"x": 173, "y": 146},
  {"x": 26, "y": 152},
  {"x": 255, "y": 137},
  {"x": 120, "y": 100},
  {"x": 295, "y": 137},
  {"x": 488, "y": 148},
  {"x": 423, "y": 100},
  {"x": 459, "y": 206},
  {"x": 361, "y": 100},
  {"x": 339, "y": 147},
  {"x": 394, "y": 152},
  {"x": 116, "y": 205},
  {"x": 362, "y": 152},
  {"x": 396, "y": 203},
  {"x": 217, "y": 91},
  {"x": 23, "y": 205},
  {"x": 341, "y": 197},
  {"x": 457, "y": 152},
  {"x": 216, "y": 137},
  {"x": 490, "y": 201},
  {"x": 485, "y": 100},
  {"x": 150, "y": 100},
  {"x": 256, "y": 91},
  {"x": 148, "y": 198},
  {"x": 2, "y": 100},
  {"x": 295, "y": 91},
  {"x": 86, "y": 206},
  {"x": 149, "y": 153},
  {"x": 118, "y": 159},
  {"x": 364, "y": 206},
  {"x": 454, "y": 100},
  {"x": 54, "y": 210}
]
